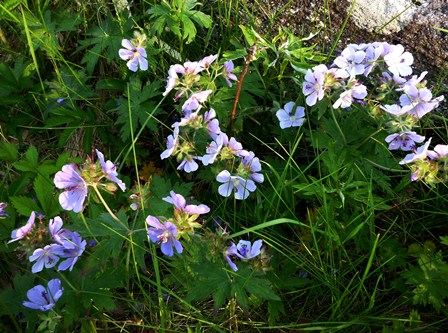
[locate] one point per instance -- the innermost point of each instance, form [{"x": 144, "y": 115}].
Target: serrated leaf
[
  {"x": 24, "y": 205},
  {"x": 262, "y": 289},
  {"x": 43, "y": 187},
  {"x": 8, "y": 152}
]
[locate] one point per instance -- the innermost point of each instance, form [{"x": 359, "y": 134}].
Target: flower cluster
[
  {"x": 346, "y": 82},
  {"x": 75, "y": 180},
  {"x": 183, "y": 223},
  {"x": 197, "y": 137},
  {"x": 65, "y": 244}
]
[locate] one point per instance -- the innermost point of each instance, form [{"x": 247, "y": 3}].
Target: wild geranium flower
[
  {"x": 180, "y": 205},
  {"x": 373, "y": 52},
  {"x": 189, "y": 164},
  {"x": 164, "y": 234},
  {"x": 313, "y": 86},
  {"x": 110, "y": 170},
  {"x": 228, "y": 72},
  {"x": 172, "y": 79},
  {"x": 248, "y": 251},
  {"x": 58, "y": 233},
  {"x": 23, "y": 231},
  {"x": 207, "y": 61},
  {"x": 172, "y": 143},
  {"x": 245, "y": 250},
  {"x": 75, "y": 188},
  {"x": 441, "y": 151},
  {"x": 418, "y": 102},
  {"x": 44, "y": 257},
  {"x": 71, "y": 249},
  {"x": 252, "y": 166},
  {"x": 394, "y": 109},
  {"x": 404, "y": 141},
  {"x": 44, "y": 299},
  {"x": 346, "y": 99},
  {"x": 2, "y": 210},
  {"x": 399, "y": 62},
  {"x": 213, "y": 149},
  {"x": 420, "y": 154},
  {"x": 135, "y": 54},
  {"x": 242, "y": 187},
  {"x": 231, "y": 251},
  {"x": 350, "y": 63},
  {"x": 231, "y": 148},
  {"x": 195, "y": 100},
  {"x": 289, "y": 119},
  {"x": 211, "y": 123}
]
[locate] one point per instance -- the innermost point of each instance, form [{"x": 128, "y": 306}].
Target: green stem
[
  {"x": 107, "y": 207},
  {"x": 337, "y": 125}
]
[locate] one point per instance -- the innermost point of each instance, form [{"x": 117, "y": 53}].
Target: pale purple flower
[
  {"x": 172, "y": 79},
  {"x": 442, "y": 151},
  {"x": 58, "y": 233},
  {"x": 3, "y": 205},
  {"x": 313, "y": 86},
  {"x": 44, "y": 257},
  {"x": 232, "y": 146},
  {"x": 289, "y": 119},
  {"x": 350, "y": 63},
  {"x": 192, "y": 68},
  {"x": 394, "y": 109},
  {"x": 242, "y": 187},
  {"x": 228, "y": 72},
  {"x": 164, "y": 234},
  {"x": 373, "y": 52},
  {"x": 247, "y": 250},
  {"x": 23, "y": 231},
  {"x": 420, "y": 154},
  {"x": 418, "y": 102},
  {"x": 231, "y": 251},
  {"x": 404, "y": 141},
  {"x": 189, "y": 164},
  {"x": 135, "y": 54},
  {"x": 44, "y": 299},
  {"x": 171, "y": 143},
  {"x": 180, "y": 204},
  {"x": 253, "y": 165},
  {"x": 413, "y": 81},
  {"x": 399, "y": 62},
  {"x": 75, "y": 188},
  {"x": 211, "y": 123},
  {"x": 195, "y": 100},
  {"x": 346, "y": 99},
  {"x": 71, "y": 249},
  {"x": 110, "y": 170},
  {"x": 213, "y": 149},
  {"x": 207, "y": 61}
]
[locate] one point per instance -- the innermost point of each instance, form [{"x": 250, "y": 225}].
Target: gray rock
[{"x": 382, "y": 16}]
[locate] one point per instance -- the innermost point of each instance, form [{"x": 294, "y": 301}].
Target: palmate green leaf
[
  {"x": 262, "y": 289},
  {"x": 140, "y": 107},
  {"x": 106, "y": 40},
  {"x": 430, "y": 279}
]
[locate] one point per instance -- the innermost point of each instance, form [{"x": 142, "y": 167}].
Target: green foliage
[
  {"x": 179, "y": 17},
  {"x": 139, "y": 108},
  {"x": 430, "y": 277}
]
